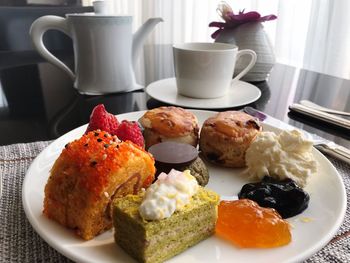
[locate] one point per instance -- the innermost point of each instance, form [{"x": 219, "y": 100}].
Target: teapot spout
[{"x": 140, "y": 36}]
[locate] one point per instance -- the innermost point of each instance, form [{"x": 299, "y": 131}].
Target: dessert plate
[
  {"x": 311, "y": 230},
  {"x": 241, "y": 93}
]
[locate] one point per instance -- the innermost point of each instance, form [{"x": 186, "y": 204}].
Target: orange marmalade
[{"x": 247, "y": 225}]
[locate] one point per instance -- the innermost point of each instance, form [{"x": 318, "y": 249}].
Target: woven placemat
[{"x": 20, "y": 243}]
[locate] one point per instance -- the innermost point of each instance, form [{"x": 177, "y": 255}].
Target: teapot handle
[{"x": 38, "y": 29}]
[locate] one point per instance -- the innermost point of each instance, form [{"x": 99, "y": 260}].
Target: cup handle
[
  {"x": 249, "y": 66},
  {"x": 38, "y": 29}
]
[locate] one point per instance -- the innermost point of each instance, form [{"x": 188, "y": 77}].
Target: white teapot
[{"x": 105, "y": 49}]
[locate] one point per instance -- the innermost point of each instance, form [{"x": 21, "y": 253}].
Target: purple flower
[{"x": 232, "y": 20}]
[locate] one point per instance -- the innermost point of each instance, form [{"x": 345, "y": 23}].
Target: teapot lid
[
  {"x": 101, "y": 10},
  {"x": 100, "y": 7}
]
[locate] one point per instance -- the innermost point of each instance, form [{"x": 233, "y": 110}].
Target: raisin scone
[{"x": 225, "y": 137}]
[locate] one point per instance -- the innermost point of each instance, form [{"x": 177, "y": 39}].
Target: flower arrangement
[{"x": 232, "y": 21}]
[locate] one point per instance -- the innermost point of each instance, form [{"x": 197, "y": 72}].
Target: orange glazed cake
[{"x": 89, "y": 174}]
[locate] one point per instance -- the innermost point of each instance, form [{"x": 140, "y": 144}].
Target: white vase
[{"x": 251, "y": 36}]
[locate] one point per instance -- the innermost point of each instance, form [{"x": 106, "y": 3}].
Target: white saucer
[{"x": 241, "y": 93}]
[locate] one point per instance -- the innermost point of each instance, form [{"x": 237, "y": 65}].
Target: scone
[
  {"x": 226, "y": 136},
  {"x": 89, "y": 174},
  {"x": 169, "y": 124}
]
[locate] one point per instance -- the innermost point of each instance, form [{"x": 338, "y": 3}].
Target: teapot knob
[{"x": 100, "y": 7}]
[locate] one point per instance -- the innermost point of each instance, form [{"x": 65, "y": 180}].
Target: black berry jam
[{"x": 285, "y": 196}]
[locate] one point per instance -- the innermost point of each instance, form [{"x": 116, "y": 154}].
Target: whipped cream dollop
[
  {"x": 171, "y": 192},
  {"x": 287, "y": 155}
]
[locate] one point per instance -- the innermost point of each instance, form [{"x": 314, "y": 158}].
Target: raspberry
[
  {"x": 101, "y": 119},
  {"x": 130, "y": 130}
]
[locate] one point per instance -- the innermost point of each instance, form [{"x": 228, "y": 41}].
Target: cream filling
[{"x": 171, "y": 192}]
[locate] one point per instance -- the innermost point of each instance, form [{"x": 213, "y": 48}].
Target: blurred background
[{"x": 310, "y": 34}]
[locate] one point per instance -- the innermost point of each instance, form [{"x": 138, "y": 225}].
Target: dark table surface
[{"x": 285, "y": 85}]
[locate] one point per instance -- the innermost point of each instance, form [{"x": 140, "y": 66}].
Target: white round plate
[
  {"x": 241, "y": 93},
  {"x": 325, "y": 213}
]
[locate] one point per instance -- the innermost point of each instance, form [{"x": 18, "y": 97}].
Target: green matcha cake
[{"x": 159, "y": 240}]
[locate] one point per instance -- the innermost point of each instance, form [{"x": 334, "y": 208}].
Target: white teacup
[{"x": 205, "y": 70}]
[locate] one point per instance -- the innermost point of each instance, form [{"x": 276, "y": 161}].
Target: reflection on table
[{"x": 285, "y": 85}]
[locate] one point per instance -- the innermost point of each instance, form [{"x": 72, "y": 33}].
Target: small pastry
[
  {"x": 173, "y": 215},
  {"x": 179, "y": 156},
  {"x": 169, "y": 124},
  {"x": 89, "y": 175},
  {"x": 226, "y": 136}
]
